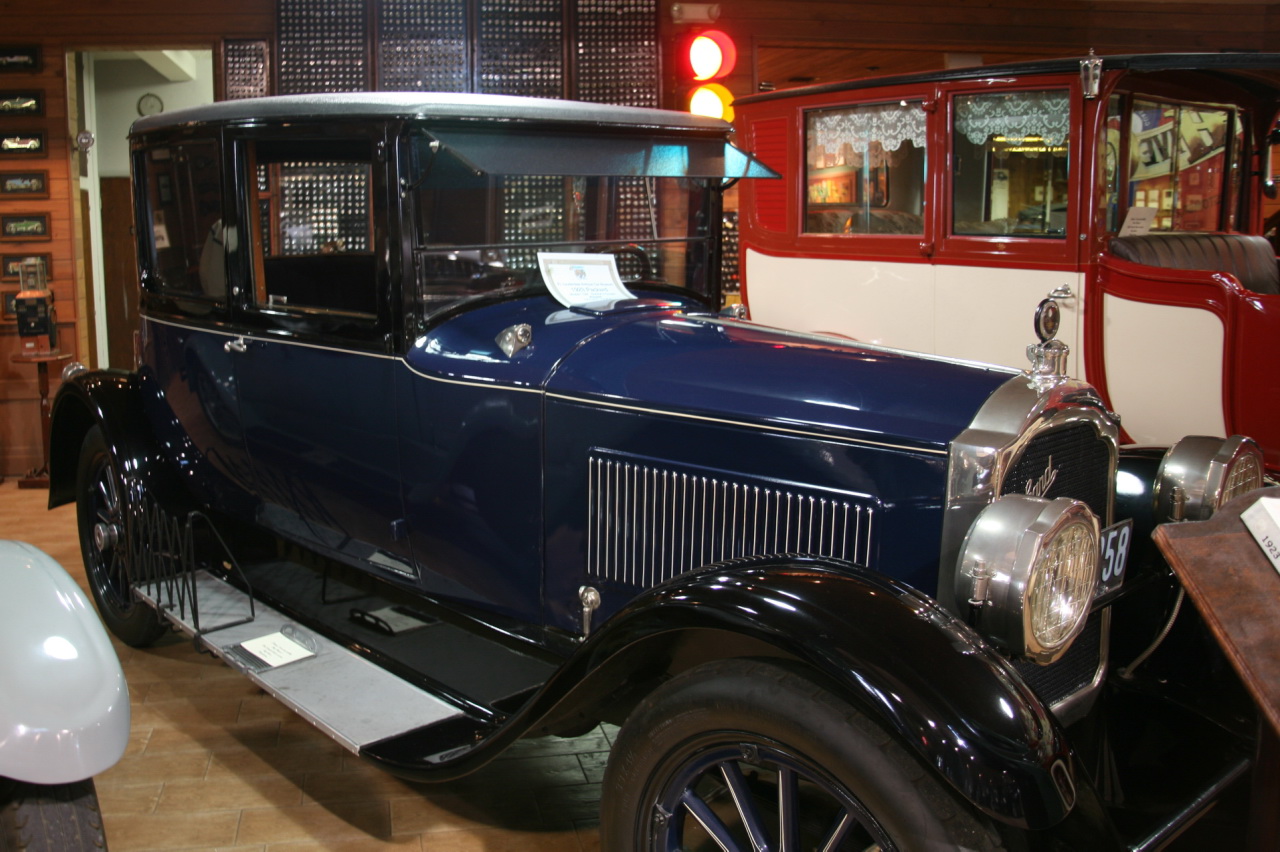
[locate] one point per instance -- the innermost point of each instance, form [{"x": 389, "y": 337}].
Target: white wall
[{"x": 119, "y": 84}]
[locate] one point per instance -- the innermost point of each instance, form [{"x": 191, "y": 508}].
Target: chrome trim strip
[
  {"x": 260, "y": 338},
  {"x": 766, "y": 427},
  {"x": 648, "y": 523}
]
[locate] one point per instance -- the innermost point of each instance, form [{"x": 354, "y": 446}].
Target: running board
[{"x": 354, "y": 701}]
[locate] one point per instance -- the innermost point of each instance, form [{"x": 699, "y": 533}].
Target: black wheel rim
[
  {"x": 747, "y": 795},
  {"x": 107, "y": 556}
]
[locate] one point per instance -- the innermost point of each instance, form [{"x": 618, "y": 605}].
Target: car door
[{"x": 314, "y": 370}]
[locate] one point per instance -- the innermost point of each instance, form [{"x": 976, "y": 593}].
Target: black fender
[
  {"x": 116, "y": 401},
  {"x": 889, "y": 650}
]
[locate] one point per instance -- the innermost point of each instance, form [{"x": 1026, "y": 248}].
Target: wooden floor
[{"x": 213, "y": 763}]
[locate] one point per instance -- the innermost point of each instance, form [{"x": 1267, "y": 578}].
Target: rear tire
[
  {"x": 704, "y": 761},
  {"x": 50, "y": 818},
  {"x": 101, "y": 514}
]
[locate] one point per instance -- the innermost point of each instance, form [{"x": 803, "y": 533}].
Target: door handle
[
  {"x": 1062, "y": 291},
  {"x": 237, "y": 345}
]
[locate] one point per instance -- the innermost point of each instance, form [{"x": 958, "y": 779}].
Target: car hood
[
  {"x": 656, "y": 356},
  {"x": 727, "y": 369}
]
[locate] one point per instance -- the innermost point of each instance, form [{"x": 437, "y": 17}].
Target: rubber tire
[
  {"x": 737, "y": 701},
  {"x": 50, "y": 818},
  {"x": 99, "y": 496}
]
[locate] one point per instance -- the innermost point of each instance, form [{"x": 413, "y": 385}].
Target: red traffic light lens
[{"x": 712, "y": 55}]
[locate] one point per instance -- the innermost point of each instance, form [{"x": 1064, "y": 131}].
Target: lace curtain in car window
[
  {"x": 859, "y": 127},
  {"x": 1015, "y": 114}
]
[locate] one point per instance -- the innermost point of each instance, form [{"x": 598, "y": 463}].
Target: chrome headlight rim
[
  {"x": 1200, "y": 473},
  {"x": 1029, "y": 568}
]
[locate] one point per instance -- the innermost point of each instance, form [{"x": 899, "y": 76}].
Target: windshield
[{"x": 478, "y": 235}]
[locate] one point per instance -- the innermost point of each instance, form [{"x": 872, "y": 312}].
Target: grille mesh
[
  {"x": 1070, "y": 674},
  {"x": 1073, "y": 461}
]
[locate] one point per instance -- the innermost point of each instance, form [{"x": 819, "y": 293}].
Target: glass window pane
[
  {"x": 313, "y": 200},
  {"x": 184, "y": 195},
  {"x": 1177, "y": 164},
  {"x": 479, "y": 236},
  {"x": 865, "y": 170},
  {"x": 1009, "y": 175}
]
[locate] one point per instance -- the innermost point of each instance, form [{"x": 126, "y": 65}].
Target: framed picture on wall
[
  {"x": 19, "y": 58},
  {"x": 24, "y": 184},
  {"x": 11, "y": 265},
  {"x": 21, "y": 103},
  {"x": 28, "y": 144},
  {"x": 9, "y": 309},
  {"x": 17, "y": 227}
]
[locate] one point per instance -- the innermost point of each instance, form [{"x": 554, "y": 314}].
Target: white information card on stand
[{"x": 582, "y": 279}]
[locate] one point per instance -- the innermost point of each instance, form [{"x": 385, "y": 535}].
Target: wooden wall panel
[
  {"x": 807, "y": 38},
  {"x": 60, "y": 27},
  {"x": 781, "y": 40}
]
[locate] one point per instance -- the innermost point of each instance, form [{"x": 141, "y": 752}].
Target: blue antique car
[{"x": 437, "y": 434}]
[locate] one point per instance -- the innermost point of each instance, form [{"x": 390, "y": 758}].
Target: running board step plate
[{"x": 341, "y": 693}]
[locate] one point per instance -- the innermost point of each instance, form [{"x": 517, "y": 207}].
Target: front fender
[
  {"x": 892, "y": 652},
  {"x": 879, "y": 644},
  {"x": 64, "y": 708}
]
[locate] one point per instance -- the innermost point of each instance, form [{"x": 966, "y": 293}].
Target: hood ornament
[{"x": 1048, "y": 357}]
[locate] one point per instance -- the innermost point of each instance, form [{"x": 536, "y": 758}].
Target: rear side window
[
  {"x": 865, "y": 169},
  {"x": 182, "y": 250},
  {"x": 1009, "y": 167},
  {"x": 312, "y": 209},
  {"x": 1178, "y": 162}
]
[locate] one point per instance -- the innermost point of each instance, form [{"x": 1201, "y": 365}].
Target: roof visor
[{"x": 632, "y": 154}]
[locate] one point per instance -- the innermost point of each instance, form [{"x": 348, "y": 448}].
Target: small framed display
[
  {"x": 24, "y": 185},
  {"x": 19, "y": 58},
  {"x": 11, "y": 265},
  {"x": 21, "y": 103},
  {"x": 28, "y": 144},
  {"x": 9, "y": 309},
  {"x": 16, "y": 227}
]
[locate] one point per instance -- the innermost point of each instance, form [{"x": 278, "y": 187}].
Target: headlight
[
  {"x": 1030, "y": 567},
  {"x": 1209, "y": 472}
]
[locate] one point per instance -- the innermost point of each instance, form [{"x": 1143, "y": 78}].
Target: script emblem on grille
[{"x": 1040, "y": 487}]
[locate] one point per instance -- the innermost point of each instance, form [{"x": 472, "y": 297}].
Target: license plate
[{"x": 1113, "y": 545}]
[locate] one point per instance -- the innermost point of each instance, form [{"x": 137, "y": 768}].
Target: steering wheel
[{"x": 632, "y": 250}]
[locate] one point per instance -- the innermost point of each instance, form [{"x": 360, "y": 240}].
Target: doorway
[{"x": 114, "y": 88}]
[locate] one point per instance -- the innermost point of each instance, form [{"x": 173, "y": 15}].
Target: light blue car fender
[{"x": 64, "y": 704}]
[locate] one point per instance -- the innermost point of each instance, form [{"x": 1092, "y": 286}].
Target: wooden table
[
  {"x": 1237, "y": 592},
  {"x": 39, "y": 477}
]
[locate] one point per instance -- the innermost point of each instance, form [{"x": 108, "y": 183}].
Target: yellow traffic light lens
[{"x": 712, "y": 100}]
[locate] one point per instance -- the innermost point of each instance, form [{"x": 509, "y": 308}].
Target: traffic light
[{"x": 710, "y": 55}]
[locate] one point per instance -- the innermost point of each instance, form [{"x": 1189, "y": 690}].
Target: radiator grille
[
  {"x": 1068, "y": 462},
  {"x": 650, "y": 523},
  {"x": 1073, "y": 672}
]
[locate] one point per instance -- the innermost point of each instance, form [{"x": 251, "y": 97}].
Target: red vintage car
[{"x": 933, "y": 212}]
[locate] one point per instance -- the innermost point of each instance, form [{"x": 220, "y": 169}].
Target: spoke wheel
[
  {"x": 748, "y": 756},
  {"x": 102, "y": 517},
  {"x": 749, "y": 795}
]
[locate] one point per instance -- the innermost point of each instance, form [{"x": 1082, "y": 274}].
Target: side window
[
  {"x": 182, "y": 192},
  {"x": 1009, "y": 172},
  {"x": 1178, "y": 162},
  {"x": 865, "y": 169},
  {"x": 312, "y": 210}
]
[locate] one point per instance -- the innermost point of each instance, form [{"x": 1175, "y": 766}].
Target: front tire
[
  {"x": 101, "y": 515},
  {"x": 741, "y": 755},
  {"x": 50, "y": 818}
]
